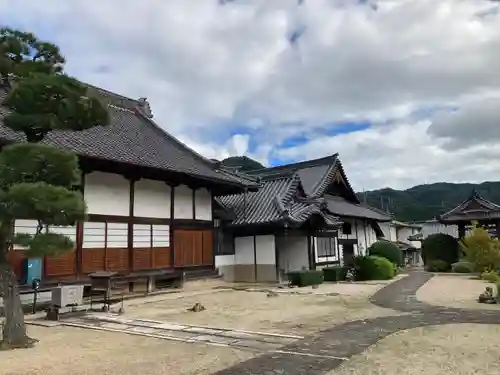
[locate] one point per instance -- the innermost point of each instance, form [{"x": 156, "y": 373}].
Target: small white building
[{"x": 303, "y": 216}]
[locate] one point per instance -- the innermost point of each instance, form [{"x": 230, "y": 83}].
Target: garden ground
[
  {"x": 459, "y": 349},
  {"x": 433, "y": 349},
  {"x": 458, "y": 291}
]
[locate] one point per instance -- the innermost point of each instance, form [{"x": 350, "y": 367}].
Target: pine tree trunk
[{"x": 14, "y": 330}]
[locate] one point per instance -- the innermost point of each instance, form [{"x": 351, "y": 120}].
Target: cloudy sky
[{"x": 406, "y": 91}]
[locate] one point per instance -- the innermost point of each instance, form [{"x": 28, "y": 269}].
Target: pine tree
[{"x": 37, "y": 181}]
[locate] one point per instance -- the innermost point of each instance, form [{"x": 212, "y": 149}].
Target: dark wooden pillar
[
  {"x": 497, "y": 229},
  {"x": 130, "y": 225},
  {"x": 172, "y": 232},
  {"x": 79, "y": 234},
  {"x": 461, "y": 231}
]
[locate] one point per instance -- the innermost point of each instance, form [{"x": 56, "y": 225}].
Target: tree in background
[
  {"x": 481, "y": 250},
  {"x": 37, "y": 181},
  {"x": 440, "y": 246},
  {"x": 243, "y": 163}
]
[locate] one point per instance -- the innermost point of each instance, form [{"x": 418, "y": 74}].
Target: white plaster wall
[
  {"x": 203, "y": 204},
  {"x": 142, "y": 235},
  {"x": 243, "y": 250},
  {"x": 107, "y": 194},
  {"x": 394, "y": 234},
  {"x": 68, "y": 231},
  {"x": 94, "y": 235},
  {"x": 265, "y": 249},
  {"x": 161, "y": 235},
  {"x": 365, "y": 235},
  {"x": 293, "y": 255},
  {"x": 151, "y": 199},
  {"x": 434, "y": 227},
  {"x": 387, "y": 229},
  {"x": 404, "y": 233},
  {"x": 224, "y": 260},
  {"x": 117, "y": 235},
  {"x": 183, "y": 204},
  {"x": 30, "y": 227}
]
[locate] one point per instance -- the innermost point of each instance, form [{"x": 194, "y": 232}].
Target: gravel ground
[
  {"x": 255, "y": 311},
  {"x": 454, "y": 291},
  {"x": 458, "y": 349},
  {"x": 65, "y": 350}
]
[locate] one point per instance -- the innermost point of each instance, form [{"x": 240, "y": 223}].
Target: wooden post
[
  {"x": 497, "y": 229},
  {"x": 461, "y": 231}
]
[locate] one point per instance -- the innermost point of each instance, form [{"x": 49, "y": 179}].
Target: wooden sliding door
[{"x": 193, "y": 247}]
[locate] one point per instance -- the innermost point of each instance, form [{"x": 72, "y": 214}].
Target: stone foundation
[{"x": 246, "y": 273}]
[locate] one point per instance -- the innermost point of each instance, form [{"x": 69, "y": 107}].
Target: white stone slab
[
  {"x": 171, "y": 327},
  {"x": 115, "y": 326}
]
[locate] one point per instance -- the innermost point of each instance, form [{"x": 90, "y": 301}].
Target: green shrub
[
  {"x": 373, "y": 268},
  {"x": 335, "y": 273},
  {"x": 490, "y": 276},
  {"x": 396, "y": 269},
  {"x": 482, "y": 250},
  {"x": 498, "y": 292},
  {"x": 462, "y": 267},
  {"x": 438, "y": 265},
  {"x": 440, "y": 246},
  {"x": 305, "y": 278},
  {"x": 388, "y": 250}
]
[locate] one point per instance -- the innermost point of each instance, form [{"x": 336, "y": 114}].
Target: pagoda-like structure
[{"x": 474, "y": 208}]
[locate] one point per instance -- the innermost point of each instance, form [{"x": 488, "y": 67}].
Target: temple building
[
  {"x": 304, "y": 216},
  {"x": 149, "y": 198},
  {"x": 474, "y": 208}
]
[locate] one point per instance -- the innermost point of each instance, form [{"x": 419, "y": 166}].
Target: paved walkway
[{"x": 343, "y": 341}]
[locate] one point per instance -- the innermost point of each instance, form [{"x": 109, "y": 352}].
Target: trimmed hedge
[
  {"x": 373, "y": 268},
  {"x": 437, "y": 265},
  {"x": 388, "y": 250},
  {"x": 305, "y": 278},
  {"x": 462, "y": 267},
  {"x": 335, "y": 273},
  {"x": 440, "y": 246}
]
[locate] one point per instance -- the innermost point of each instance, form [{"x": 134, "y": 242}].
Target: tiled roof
[
  {"x": 340, "y": 206},
  {"x": 295, "y": 192},
  {"x": 475, "y": 207},
  {"x": 131, "y": 138}
]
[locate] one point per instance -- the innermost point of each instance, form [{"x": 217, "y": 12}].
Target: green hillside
[
  {"x": 243, "y": 162},
  {"x": 423, "y": 202}
]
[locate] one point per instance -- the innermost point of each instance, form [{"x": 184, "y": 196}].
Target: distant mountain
[
  {"x": 424, "y": 202},
  {"x": 244, "y": 162}
]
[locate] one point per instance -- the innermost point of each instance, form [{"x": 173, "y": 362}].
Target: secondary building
[{"x": 304, "y": 216}]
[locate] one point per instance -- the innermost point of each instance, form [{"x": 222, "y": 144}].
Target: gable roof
[
  {"x": 294, "y": 192},
  {"x": 133, "y": 138},
  {"x": 475, "y": 207}
]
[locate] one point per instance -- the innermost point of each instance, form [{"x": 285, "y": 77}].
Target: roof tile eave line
[
  {"x": 166, "y": 134},
  {"x": 298, "y": 165},
  {"x": 324, "y": 182}
]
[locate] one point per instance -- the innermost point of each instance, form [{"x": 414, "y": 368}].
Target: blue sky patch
[{"x": 344, "y": 128}]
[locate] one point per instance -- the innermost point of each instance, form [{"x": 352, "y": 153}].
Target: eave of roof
[
  {"x": 340, "y": 206},
  {"x": 134, "y": 139}
]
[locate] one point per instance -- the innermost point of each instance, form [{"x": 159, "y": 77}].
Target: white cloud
[{"x": 203, "y": 65}]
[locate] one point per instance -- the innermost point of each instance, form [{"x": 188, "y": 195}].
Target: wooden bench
[{"x": 108, "y": 288}]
